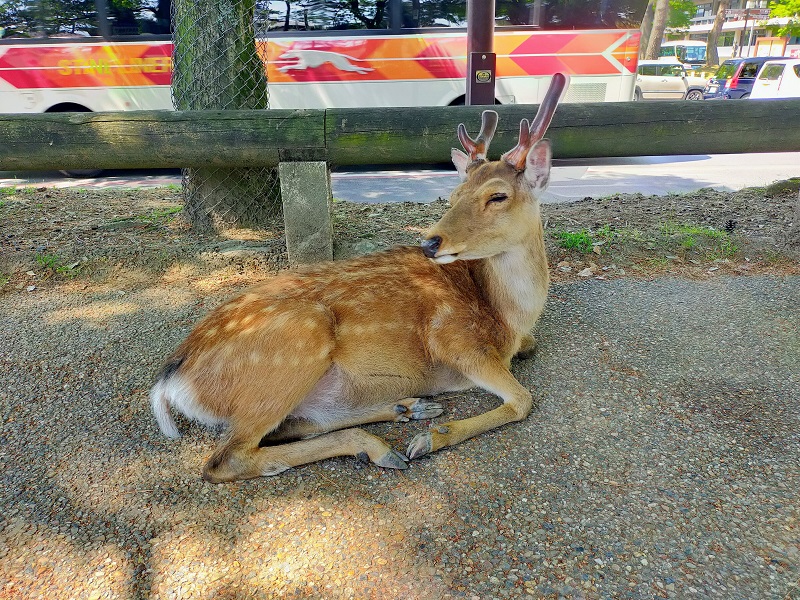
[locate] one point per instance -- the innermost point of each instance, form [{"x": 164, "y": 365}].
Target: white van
[
  {"x": 662, "y": 80},
  {"x": 778, "y": 79}
]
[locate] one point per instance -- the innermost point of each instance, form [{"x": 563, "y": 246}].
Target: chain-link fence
[{"x": 217, "y": 65}]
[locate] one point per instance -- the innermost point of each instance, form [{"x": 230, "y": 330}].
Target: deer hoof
[
  {"x": 392, "y": 460},
  {"x": 421, "y": 445},
  {"x": 422, "y": 409},
  {"x": 417, "y": 409}
]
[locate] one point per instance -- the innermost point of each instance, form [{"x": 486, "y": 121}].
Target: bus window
[
  {"x": 429, "y": 13},
  {"x": 545, "y": 14},
  {"x": 320, "y": 15},
  {"x": 569, "y": 14},
  {"x": 59, "y": 19}
]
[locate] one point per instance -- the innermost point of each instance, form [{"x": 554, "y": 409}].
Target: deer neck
[{"x": 516, "y": 281}]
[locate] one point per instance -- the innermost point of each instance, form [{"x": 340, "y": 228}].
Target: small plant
[
  {"x": 605, "y": 233},
  {"x": 4, "y": 279},
  {"x": 726, "y": 249},
  {"x": 581, "y": 241},
  {"x": 55, "y": 264},
  {"x": 48, "y": 261}
]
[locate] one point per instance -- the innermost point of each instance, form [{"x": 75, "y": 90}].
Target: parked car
[
  {"x": 778, "y": 79},
  {"x": 661, "y": 80},
  {"x": 735, "y": 77}
]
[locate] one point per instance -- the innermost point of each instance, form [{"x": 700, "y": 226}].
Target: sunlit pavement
[{"x": 571, "y": 179}]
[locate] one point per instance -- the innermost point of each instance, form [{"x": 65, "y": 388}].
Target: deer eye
[{"x": 497, "y": 198}]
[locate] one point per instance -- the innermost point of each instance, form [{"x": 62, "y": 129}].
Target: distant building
[{"x": 748, "y": 30}]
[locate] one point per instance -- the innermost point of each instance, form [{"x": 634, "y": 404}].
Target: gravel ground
[{"x": 661, "y": 462}]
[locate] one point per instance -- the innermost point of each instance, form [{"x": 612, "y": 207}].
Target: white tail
[{"x": 294, "y": 365}]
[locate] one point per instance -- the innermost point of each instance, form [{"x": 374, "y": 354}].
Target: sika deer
[{"x": 293, "y": 365}]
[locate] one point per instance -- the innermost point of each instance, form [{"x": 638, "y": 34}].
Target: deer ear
[
  {"x": 461, "y": 161},
  {"x": 537, "y": 166}
]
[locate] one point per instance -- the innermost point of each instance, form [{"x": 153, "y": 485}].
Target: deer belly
[
  {"x": 444, "y": 379},
  {"x": 340, "y": 393}
]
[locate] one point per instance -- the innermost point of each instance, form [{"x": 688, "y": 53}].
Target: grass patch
[
  {"x": 13, "y": 191},
  {"x": 709, "y": 242},
  {"x": 164, "y": 213},
  {"x": 692, "y": 230},
  {"x": 581, "y": 241},
  {"x": 55, "y": 265},
  {"x": 153, "y": 218}
]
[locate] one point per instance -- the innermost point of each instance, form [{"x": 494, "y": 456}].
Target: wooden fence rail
[
  {"x": 359, "y": 136},
  {"x": 307, "y": 142}
]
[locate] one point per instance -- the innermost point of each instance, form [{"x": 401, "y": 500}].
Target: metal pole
[
  {"x": 102, "y": 18},
  {"x": 480, "y": 52}
]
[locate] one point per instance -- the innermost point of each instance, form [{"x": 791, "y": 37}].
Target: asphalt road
[{"x": 571, "y": 180}]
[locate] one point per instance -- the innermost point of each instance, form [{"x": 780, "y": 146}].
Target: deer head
[{"x": 496, "y": 206}]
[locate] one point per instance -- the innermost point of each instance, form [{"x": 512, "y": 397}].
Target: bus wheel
[
  {"x": 637, "y": 94},
  {"x": 70, "y": 107}
]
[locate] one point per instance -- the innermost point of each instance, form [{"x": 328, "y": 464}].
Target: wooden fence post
[{"x": 306, "y": 193}]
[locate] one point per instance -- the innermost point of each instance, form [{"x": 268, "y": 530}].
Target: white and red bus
[{"x": 325, "y": 54}]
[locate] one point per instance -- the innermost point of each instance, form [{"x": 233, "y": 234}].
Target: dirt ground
[{"x": 55, "y": 236}]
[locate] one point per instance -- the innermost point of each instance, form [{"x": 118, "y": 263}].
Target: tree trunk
[
  {"x": 659, "y": 26},
  {"x": 647, "y": 27},
  {"x": 216, "y": 65},
  {"x": 712, "y": 54}
]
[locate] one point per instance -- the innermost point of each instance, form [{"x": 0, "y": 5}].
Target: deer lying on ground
[{"x": 294, "y": 365}]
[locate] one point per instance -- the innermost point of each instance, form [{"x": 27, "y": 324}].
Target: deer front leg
[
  {"x": 492, "y": 375},
  {"x": 400, "y": 411}
]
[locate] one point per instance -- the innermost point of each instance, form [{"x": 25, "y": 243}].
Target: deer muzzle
[{"x": 431, "y": 246}]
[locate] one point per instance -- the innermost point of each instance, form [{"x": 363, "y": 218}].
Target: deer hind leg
[
  {"x": 400, "y": 411},
  {"x": 492, "y": 374},
  {"x": 248, "y": 453},
  {"x": 244, "y": 459},
  {"x": 527, "y": 348}
]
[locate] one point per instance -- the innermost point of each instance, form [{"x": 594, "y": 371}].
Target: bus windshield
[{"x": 692, "y": 54}]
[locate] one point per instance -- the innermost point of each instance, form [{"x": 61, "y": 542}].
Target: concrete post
[{"x": 306, "y": 193}]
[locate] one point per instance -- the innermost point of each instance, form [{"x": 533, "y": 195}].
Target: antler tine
[
  {"x": 530, "y": 134},
  {"x": 516, "y": 156},
  {"x": 479, "y": 147},
  {"x": 548, "y": 106}
]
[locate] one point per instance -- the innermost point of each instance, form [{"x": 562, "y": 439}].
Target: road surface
[{"x": 571, "y": 180}]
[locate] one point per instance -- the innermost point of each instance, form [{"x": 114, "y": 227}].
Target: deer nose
[{"x": 431, "y": 246}]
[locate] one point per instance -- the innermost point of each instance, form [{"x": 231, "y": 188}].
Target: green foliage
[
  {"x": 787, "y": 8},
  {"x": 681, "y": 13}
]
